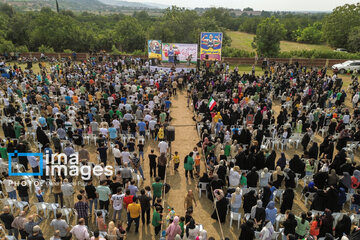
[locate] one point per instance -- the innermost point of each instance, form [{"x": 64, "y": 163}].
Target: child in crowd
[
  {"x": 176, "y": 160},
  {"x": 197, "y": 164},
  {"x": 182, "y": 224}
]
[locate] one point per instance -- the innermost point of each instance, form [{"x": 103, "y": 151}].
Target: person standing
[
  {"x": 156, "y": 220},
  {"x": 189, "y": 199},
  {"x": 9, "y": 187},
  {"x": 134, "y": 210},
  {"x": 162, "y": 166},
  {"x": 117, "y": 202},
  {"x": 80, "y": 231},
  {"x": 68, "y": 193},
  {"x": 189, "y": 165},
  {"x": 157, "y": 187},
  {"x": 104, "y": 194},
  {"x": 61, "y": 225},
  {"x": 145, "y": 206},
  {"x": 152, "y": 160},
  {"x": 18, "y": 225},
  {"x": 7, "y": 218},
  {"x": 91, "y": 195},
  {"x": 82, "y": 209},
  {"x": 176, "y": 161}
]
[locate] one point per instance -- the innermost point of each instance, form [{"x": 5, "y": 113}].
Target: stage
[{"x": 166, "y": 67}]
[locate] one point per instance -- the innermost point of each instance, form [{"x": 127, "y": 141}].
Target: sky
[{"x": 267, "y": 5}]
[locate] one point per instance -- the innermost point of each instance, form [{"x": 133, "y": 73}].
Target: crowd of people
[{"x": 119, "y": 106}]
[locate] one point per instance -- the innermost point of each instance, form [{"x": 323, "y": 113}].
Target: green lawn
[{"x": 243, "y": 41}]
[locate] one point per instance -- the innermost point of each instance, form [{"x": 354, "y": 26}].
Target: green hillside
[{"x": 241, "y": 40}]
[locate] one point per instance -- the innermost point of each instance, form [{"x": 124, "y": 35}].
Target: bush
[
  {"x": 319, "y": 54},
  {"x": 234, "y": 52},
  {"x": 138, "y": 53},
  {"x": 46, "y": 49},
  {"x": 68, "y": 51},
  {"x": 22, "y": 49}
]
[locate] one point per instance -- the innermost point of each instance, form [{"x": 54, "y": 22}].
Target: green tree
[
  {"x": 45, "y": 49},
  {"x": 354, "y": 40},
  {"x": 338, "y": 24},
  {"x": 311, "y": 34},
  {"x": 268, "y": 35},
  {"x": 129, "y": 35}
]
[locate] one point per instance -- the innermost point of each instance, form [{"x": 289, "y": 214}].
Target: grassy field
[{"x": 243, "y": 41}]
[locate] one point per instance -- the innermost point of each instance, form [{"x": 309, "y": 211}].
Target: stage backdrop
[
  {"x": 154, "y": 49},
  {"x": 210, "y": 44},
  {"x": 183, "y": 51}
]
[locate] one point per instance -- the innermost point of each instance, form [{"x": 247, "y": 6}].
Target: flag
[{"x": 211, "y": 103}]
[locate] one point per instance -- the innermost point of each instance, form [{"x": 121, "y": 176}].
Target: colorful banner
[
  {"x": 182, "y": 52},
  {"x": 210, "y": 45},
  {"x": 154, "y": 49}
]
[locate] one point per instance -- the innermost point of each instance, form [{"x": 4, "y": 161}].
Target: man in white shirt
[
  {"x": 117, "y": 201},
  {"x": 163, "y": 146},
  {"x": 9, "y": 187},
  {"x": 68, "y": 193},
  {"x": 125, "y": 155},
  {"x": 117, "y": 154},
  {"x": 80, "y": 231}
]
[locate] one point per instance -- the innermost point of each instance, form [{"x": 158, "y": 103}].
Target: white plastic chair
[
  {"x": 257, "y": 235},
  {"x": 202, "y": 187},
  {"x": 52, "y": 207},
  {"x": 279, "y": 218},
  {"x": 66, "y": 212},
  {"x": 235, "y": 217},
  {"x": 20, "y": 205},
  {"x": 41, "y": 206},
  {"x": 310, "y": 196}
]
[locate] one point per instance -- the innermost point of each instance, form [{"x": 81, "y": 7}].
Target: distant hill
[
  {"x": 133, "y": 4},
  {"x": 80, "y": 5}
]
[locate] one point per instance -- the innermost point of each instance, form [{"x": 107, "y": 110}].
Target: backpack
[{"x": 185, "y": 159}]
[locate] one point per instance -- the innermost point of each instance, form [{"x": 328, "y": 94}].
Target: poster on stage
[
  {"x": 210, "y": 46},
  {"x": 154, "y": 49},
  {"x": 180, "y": 51}
]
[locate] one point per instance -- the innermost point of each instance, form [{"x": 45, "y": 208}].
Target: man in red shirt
[{"x": 127, "y": 200}]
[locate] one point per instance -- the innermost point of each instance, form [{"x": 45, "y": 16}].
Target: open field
[{"x": 243, "y": 41}]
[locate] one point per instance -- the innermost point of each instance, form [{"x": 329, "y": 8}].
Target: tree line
[{"x": 46, "y": 30}]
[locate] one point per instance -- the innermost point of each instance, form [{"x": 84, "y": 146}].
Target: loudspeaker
[
  {"x": 207, "y": 57},
  {"x": 170, "y": 134}
]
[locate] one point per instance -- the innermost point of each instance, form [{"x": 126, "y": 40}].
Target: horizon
[{"x": 257, "y": 5}]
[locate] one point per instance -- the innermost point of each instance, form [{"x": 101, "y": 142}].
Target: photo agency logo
[{"x": 57, "y": 164}]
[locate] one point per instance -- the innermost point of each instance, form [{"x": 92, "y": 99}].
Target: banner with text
[
  {"x": 180, "y": 51},
  {"x": 210, "y": 46},
  {"x": 154, "y": 49}
]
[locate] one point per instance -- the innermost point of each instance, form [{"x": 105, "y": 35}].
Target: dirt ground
[{"x": 185, "y": 139}]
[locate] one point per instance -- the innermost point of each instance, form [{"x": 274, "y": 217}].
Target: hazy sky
[{"x": 270, "y": 5}]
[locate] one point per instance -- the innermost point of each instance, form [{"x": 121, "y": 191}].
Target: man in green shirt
[
  {"x": 157, "y": 189},
  {"x": 156, "y": 220},
  {"x": 189, "y": 165},
  {"x": 104, "y": 194},
  {"x": 3, "y": 152}
]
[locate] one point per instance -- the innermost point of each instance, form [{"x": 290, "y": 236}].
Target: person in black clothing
[
  {"x": 145, "y": 206},
  {"x": 7, "y": 218},
  {"x": 290, "y": 224},
  {"x": 91, "y": 195},
  {"x": 289, "y": 178},
  {"x": 102, "y": 151},
  {"x": 252, "y": 178},
  {"x": 152, "y": 160},
  {"x": 297, "y": 165},
  {"x": 247, "y": 230},
  {"x": 114, "y": 185},
  {"x": 343, "y": 227},
  {"x": 23, "y": 189},
  {"x": 249, "y": 201},
  {"x": 270, "y": 160},
  {"x": 288, "y": 199},
  {"x": 258, "y": 214},
  {"x": 326, "y": 223}
]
